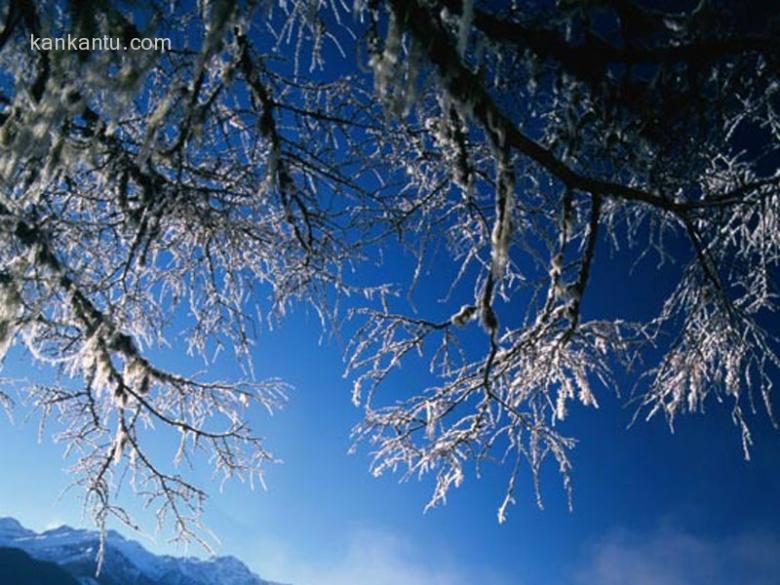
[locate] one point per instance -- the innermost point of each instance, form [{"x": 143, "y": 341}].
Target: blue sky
[{"x": 640, "y": 493}]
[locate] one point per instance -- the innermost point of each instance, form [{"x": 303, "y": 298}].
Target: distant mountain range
[{"x": 66, "y": 556}]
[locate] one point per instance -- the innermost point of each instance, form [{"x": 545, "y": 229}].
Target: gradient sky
[
  {"x": 664, "y": 508},
  {"x": 651, "y": 507}
]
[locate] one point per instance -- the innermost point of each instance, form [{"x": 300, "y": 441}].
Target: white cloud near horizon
[
  {"x": 670, "y": 556},
  {"x": 379, "y": 558},
  {"x": 663, "y": 556}
]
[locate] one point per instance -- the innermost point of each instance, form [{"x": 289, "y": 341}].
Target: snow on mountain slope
[
  {"x": 10, "y": 529},
  {"x": 126, "y": 561}
]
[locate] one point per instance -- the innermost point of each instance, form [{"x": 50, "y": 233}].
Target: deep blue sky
[{"x": 665, "y": 509}]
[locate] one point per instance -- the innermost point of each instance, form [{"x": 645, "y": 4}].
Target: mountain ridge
[{"x": 126, "y": 561}]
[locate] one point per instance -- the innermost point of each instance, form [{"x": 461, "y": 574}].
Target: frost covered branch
[{"x": 282, "y": 152}]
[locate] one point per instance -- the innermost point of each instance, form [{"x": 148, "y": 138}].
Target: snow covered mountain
[{"x": 126, "y": 561}]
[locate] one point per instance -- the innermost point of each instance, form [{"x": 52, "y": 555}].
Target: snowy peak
[
  {"x": 10, "y": 529},
  {"x": 10, "y": 522},
  {"x": 126, "y": 562}
]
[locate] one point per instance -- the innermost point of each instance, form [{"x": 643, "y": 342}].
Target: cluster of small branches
[
  {"x": 634, "y": 136},
  {"x": 149, "y": 193},
  {"x": 259, "y": 164}
]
